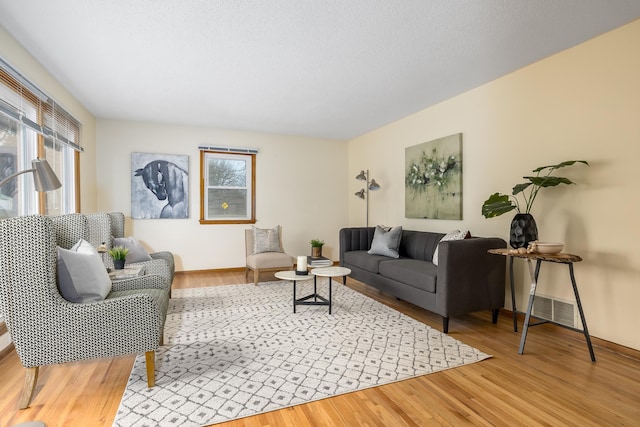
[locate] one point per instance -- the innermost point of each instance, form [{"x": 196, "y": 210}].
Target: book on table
[
  {"x": 318, "y": 261},
  {"x": 127, "y": 272}
]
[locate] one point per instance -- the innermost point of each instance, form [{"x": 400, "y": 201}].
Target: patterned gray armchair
[
  {"x": 46, "y": 329},
  {"x": 104, "y": 227},
  {"x": 117, "y": 230},
  {"x": 96, "y": 228}
]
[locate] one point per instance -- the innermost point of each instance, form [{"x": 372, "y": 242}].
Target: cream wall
[
  {"x": 583, "y": 103},
  {"x": 12, "y": 52},
  {"x": 299, "y": 184}
]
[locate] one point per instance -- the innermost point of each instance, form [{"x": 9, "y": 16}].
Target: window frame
[
  {"x": 205, "y": 155},
  {"x": 44, "y": 130}
]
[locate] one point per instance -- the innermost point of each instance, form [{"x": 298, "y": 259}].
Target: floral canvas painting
[{"x": 433, "y": 179}]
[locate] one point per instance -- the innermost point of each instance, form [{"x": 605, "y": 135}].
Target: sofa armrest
[
  {"x": 469, "y": 278},
  {"x": 355, "y": 239}
]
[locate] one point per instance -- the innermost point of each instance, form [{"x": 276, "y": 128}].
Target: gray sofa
[{"x": 466, "y": 279}]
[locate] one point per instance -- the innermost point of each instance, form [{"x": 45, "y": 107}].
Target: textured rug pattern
[{"x": 238, "y": 350}]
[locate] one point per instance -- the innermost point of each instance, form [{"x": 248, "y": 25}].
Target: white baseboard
[{"x": 5, "y": 342}]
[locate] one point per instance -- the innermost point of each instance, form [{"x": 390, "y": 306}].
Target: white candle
[{"x": 302, "y": 263}]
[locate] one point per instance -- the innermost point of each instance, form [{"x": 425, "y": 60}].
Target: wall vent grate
[{"x": 556, "y": 310}]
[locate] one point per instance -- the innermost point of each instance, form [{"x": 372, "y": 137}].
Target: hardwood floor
[{"x": 554, "y": 383}]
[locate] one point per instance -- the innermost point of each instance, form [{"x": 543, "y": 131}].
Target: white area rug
[{"x": 238, "y": 350}]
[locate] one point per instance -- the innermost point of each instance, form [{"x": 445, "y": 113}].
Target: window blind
[
  {"x": 23, "y": 102},
  {"x": 228, "y": 149}
]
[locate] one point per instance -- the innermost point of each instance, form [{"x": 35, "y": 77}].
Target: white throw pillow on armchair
[
  {"x": 82, "y": 276},
  {"x": 266, "y": 240}
]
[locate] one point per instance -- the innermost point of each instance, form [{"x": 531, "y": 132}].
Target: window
[
  {"x": 33, "y": 125},
  {"x": 227, "y": 187}
]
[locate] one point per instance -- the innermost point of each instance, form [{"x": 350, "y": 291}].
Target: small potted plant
[
  {"x": 119, "y": 255},
  {"x": 523, "y": 226},
  {"x": 316, "y": 248}
]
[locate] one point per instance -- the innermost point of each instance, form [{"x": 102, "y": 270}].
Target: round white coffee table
[
  {"x": 314, "y": 298},
  {"x": 329, "y": 272},
  {"x": 293, "y": 277}
]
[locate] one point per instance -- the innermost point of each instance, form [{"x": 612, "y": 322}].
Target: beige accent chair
[{"x": 265, "y": 261}]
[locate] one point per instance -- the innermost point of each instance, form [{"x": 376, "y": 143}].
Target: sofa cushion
[
  {"x": 269, "y": 260},
  {"x": 386, "y": 241},
  {"x": 363, "y": 260},
  {"x": 415, "y": 273}
]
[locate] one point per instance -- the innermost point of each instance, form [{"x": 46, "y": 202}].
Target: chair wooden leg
[
  {"x": 30, "y": 380},
  {"x": 150, "y": 358},
  {"x": 256, "y": 276}
]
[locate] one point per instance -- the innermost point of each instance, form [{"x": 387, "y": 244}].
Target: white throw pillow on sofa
[{"x": 452, "y": 235}]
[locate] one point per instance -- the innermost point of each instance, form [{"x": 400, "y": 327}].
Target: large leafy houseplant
[{"x": 498, "y": 204}]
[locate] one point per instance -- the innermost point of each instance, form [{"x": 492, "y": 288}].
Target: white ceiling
[{"x": 321, "y": 68}]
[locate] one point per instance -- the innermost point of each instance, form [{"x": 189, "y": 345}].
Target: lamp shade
[
  {"x": 360, "y": 193},
  {"x": 373, "y": 186},
  {"x": 362, "y": 176},
  {"x": 44, "y": 178}
]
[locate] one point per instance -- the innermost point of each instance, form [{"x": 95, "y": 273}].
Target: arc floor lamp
[
  {"x": 44, "y": 178},
  {"x": 370, "y": 186}
]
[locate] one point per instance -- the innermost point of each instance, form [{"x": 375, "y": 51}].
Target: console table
[{"x": 561, "y": 258}]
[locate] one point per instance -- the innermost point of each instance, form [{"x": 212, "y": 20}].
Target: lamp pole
[
  {"x": 364, "y": 193},
  {"x": 367, "y": 181}
]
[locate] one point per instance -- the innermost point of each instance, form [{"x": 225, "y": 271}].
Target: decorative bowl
[{"x": 549, "y": 247}]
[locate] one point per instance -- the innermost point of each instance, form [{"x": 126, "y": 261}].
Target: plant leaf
[
  {"x": 519, "y": 188},
  {"x": 496, "y": 205},
  {"x": 548, "y": 181},
  {"x": 561, "y": 165}
]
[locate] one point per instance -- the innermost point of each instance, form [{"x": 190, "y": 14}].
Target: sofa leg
[
  {"x": 445, "y": 325},
  {"x": 494, "y": 315}
]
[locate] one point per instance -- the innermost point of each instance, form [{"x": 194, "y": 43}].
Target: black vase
[
  {"x": 118, "y": 264},
  {"x": 523, "y": 231}
]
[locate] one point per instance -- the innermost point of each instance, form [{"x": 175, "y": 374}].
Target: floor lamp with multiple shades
[
  {"x": 370, "y": 186},
  {"x": 44, "y": 179}
]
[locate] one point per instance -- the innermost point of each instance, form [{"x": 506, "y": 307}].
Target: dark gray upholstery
[
  {"x": 413, "y": 272},
  {"x": 466, "y": 279}
]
